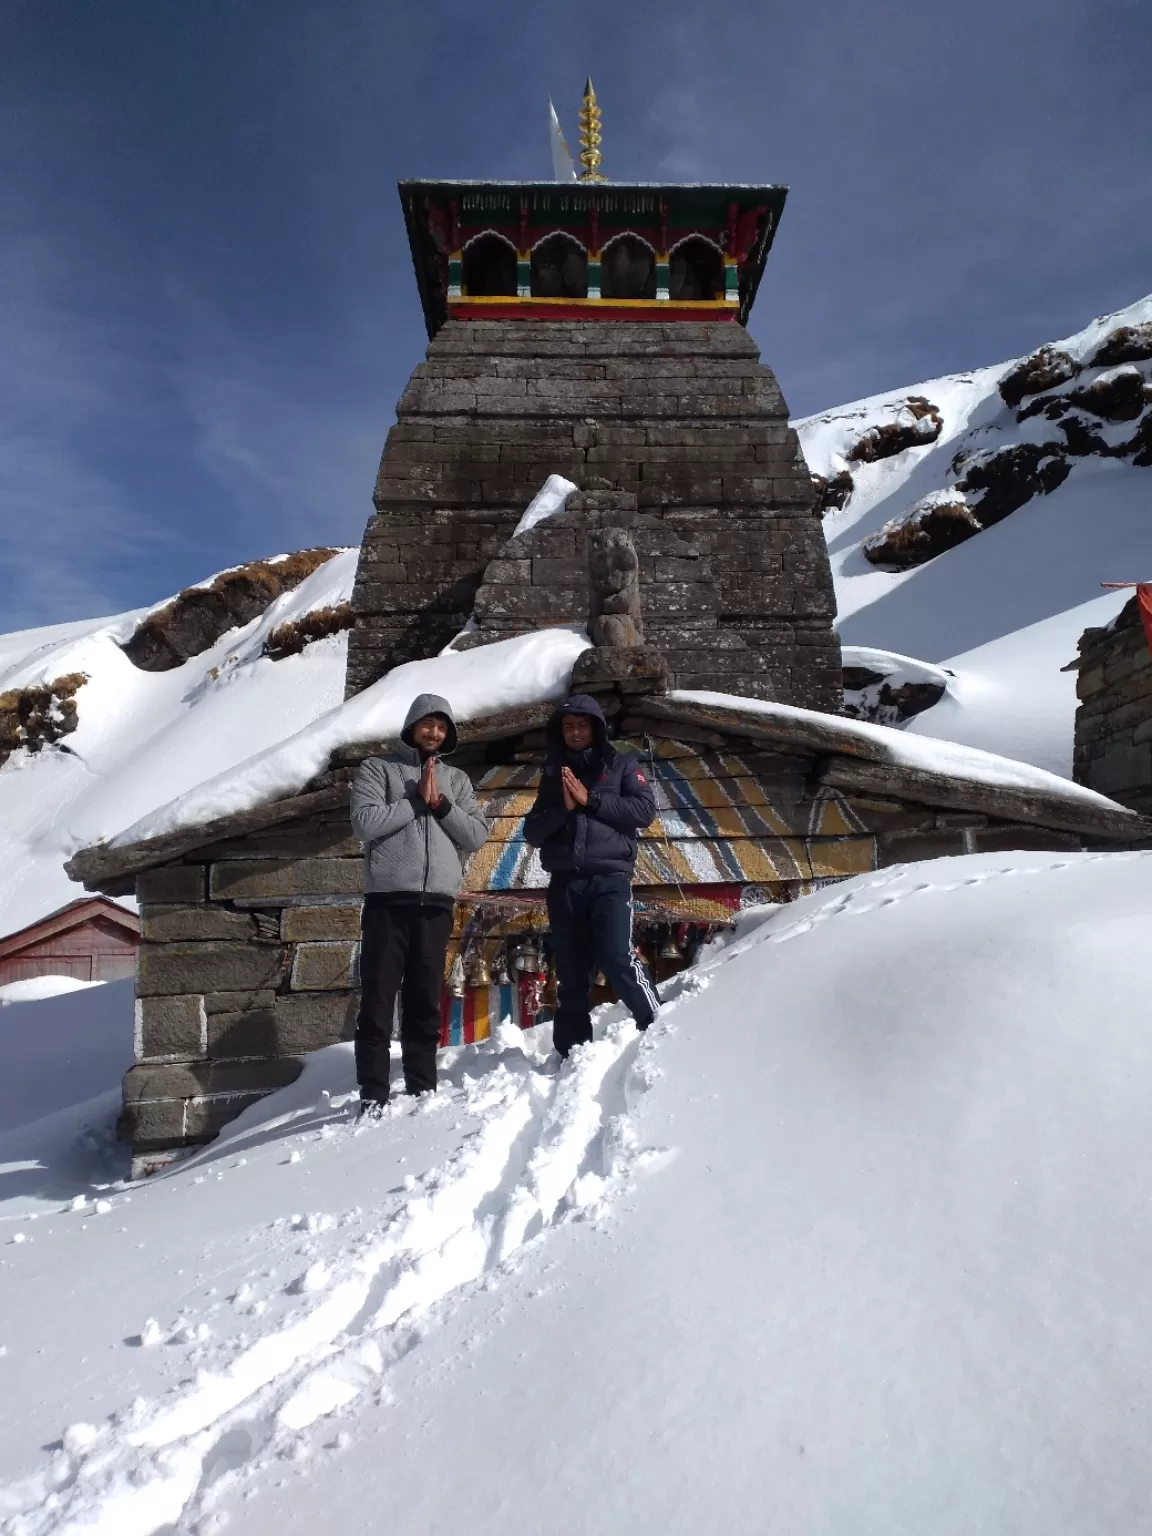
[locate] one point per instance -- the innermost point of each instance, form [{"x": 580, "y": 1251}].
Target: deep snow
[{"x": 855, "y": 1239}]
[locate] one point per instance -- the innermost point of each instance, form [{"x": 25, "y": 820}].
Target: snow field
[
  {"x": 893, "y": 1278},
  {"x": 855, "y": 1238},
  {"x": 543, "y": 1144}
]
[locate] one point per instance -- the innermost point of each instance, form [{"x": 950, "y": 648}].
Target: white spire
[{"x": 562, "y": 167}]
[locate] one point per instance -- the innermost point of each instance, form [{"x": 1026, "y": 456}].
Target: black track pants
[
  {"x": 402, "y": 951},
  {"x": 590, "y": 917}
]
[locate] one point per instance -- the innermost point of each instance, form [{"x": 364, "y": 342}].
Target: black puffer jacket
[{"x": 599, "y": 838}]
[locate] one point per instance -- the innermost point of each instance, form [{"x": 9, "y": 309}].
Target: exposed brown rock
[
  {"x": 1126, "y": 344},
  {"x": 925, "y": 533},
  {"x": 291, "y": 638},
  {"x": 1116, "y": 397},
  {"x": 887, "y": 705},
  {"x": 893, "y": 437},
  {"x": 36, "y": 717},
  {"x": 832, "y": 495},
  {"x": 1012, "y": 477},
  {"x": 197, "y": 617},
  {"x": 1046, "y": 368}
]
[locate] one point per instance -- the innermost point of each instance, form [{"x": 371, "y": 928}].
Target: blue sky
[{"x": 206, "y": 300}]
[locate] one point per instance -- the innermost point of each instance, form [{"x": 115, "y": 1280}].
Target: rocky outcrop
[
  {"x": 291, "y": 638},
  {"x": 869, "y": 695},
  {"x": 1126, "y": 344},
  {"x": 832, "y": 495},
  {"x": 34, "y": 718},
  {"x": 933, "y": 526},
  {"x": 1117, "y": 396},
  {"x": 1046, "y": 368},
  {"x": 197, "y": 617},
  {"x": 917, "y": 423},
  {"x": 1011, "y": 477}
]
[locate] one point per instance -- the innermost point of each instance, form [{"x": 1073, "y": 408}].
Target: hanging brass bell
[
  {"x": 528, "y": 956},
  {"x": 456, "y": 984},
  {"x": 503, "y": 979},
  {"x": 670, "y": 950},
  {"x": 476, "y": 968}
]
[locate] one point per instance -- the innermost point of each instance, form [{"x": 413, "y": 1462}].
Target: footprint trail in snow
[{"x": 548, "y": 1145}]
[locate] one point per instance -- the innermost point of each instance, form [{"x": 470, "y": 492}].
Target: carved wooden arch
[
  {"x": 566, "y": 275},
  {"x": 689, "y": 279},
  {"x": 627, "y": 281},
  {"x": 496, "y": 277}
]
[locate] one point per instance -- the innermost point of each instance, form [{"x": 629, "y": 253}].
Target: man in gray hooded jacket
[{"x": 415, "y": 816}]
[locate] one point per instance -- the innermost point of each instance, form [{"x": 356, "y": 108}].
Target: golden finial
[{"x": 590, "y": 135}]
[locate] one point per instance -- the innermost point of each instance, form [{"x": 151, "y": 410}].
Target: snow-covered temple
[{"x": 593, "y": 332}]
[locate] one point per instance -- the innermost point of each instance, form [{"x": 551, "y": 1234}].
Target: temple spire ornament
[{"x": 589, "y": 117}]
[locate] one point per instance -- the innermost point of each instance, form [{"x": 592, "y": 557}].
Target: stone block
[
  {"x": 559, "y": 573},
  {"x": 1009, "y": 839},
  {"x": 190, "y": 1079},
  {"x": 633, "y": 669},
  {"x": 162, "y": 925},
  {"x": 170, "y": 1027},
  {"x": 530, "y": 602},
  {"x": 329, "y": 922},
  {"x": 325, "y": 966},
  {"x": 269, "y": 882},
  {"x": 247, "y": 1032},
  {"x": 909, "y": 848},
  {"x": 308, "y": 1021},
  {"x": 177, "y": 883},
  {"x": 152, "y": 1125},
  {"x": 166, "y": 969},
  {"x": 204, "y": 1119},
  {"x": 509, "y": 572},
  {"x": 236, "y": 1002}
]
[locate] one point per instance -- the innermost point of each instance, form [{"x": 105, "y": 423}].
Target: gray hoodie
[{"x": 408, "y": 848}]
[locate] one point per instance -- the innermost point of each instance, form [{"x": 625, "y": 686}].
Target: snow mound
[
  {"x": 526, "y": 670},
  {"x": 864, "y": 1221}
]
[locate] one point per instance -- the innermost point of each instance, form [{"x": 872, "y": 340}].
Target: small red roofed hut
[{"x": 94, "y": 939}]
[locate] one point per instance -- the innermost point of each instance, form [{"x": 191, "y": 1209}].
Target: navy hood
[{"x": 579, "y": 704}]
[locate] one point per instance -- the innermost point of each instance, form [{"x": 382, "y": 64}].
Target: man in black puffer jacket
[{"x": 591, "y": 803}]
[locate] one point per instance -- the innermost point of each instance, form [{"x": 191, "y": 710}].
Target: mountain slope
[
  {"x": 1002, "y": 609},
  {"x": 142, "y": 737}
]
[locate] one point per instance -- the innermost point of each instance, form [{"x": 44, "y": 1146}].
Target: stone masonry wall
[
  {"x": 684, "y": 418},
  {"x": 250, "y": 957},
  {"x": 1114, "y": 718}
]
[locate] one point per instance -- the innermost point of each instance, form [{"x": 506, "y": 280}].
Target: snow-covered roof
[{"x": 485, "y": 684}]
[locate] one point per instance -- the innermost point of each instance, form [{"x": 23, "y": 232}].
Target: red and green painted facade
[{"x": 476, "y": 247}]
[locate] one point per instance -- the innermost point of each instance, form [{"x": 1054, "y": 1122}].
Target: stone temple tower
[{"x": 596, "y": 330}]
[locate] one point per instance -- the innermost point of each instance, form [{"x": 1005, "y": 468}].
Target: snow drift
[{"x": 855, "y": 1238}]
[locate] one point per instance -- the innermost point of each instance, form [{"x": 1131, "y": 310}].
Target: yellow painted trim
[{"x": 497, "y": 299}]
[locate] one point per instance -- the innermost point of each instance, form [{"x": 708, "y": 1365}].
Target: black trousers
[
  {"x": 590, "y": 918},
  {"x": 402, "y": 950}
]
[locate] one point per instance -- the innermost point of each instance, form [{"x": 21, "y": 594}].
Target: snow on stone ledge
[
  {"x": 528, "y": 670},
  {"x": 547, "y": 502},
  {"x": 925, "y": 753}
]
